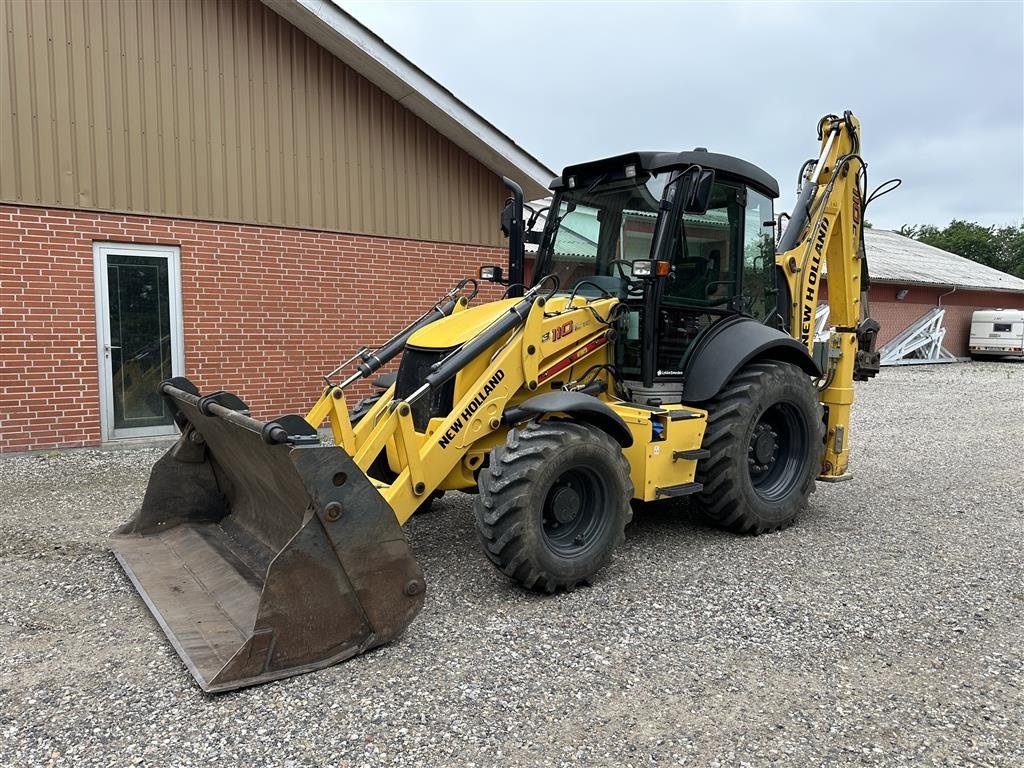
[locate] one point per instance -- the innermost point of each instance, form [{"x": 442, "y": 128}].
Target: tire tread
[
  {"x": 721, "y": 499},
  {"x": 505, "y": 498}
]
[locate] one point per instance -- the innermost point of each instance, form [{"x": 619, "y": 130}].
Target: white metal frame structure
[
  {"x": 822, "y": 330},
  {"x": 920, "y": 342}
]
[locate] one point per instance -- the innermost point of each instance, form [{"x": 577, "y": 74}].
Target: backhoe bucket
[{"x": 261, "y": 554}]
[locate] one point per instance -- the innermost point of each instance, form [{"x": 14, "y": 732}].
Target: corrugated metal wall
[{"x": 221, "y": 110}]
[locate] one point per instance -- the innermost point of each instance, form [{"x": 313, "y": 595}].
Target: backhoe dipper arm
[{"x": 826, "y": 232}]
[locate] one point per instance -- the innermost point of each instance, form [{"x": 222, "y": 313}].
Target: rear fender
[{"x": 733, "y": 343}]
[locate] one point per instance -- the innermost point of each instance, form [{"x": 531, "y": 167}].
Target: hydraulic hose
[
  {"x": 798, "y": 220},
  {"x": 375, "y": 361},
  {"x": 446, "y": 369},
  {"x": 475, "y": 347}
]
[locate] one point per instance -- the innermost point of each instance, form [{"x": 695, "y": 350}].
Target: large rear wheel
[
  {"x": 553, "y": 504},
  {"x": 766, "y": 437}
]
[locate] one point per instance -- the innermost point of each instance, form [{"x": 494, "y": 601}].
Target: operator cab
[{"x": 706, "y": 218}]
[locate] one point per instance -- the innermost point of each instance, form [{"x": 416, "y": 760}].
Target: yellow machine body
[
  {"x": 264, "y": 553},
  {"x": 554, "y": 341}
]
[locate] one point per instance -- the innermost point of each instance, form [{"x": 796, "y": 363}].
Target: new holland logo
[
  {"x": 811, "y": 293},
  {"x": 474, "y": 405}
]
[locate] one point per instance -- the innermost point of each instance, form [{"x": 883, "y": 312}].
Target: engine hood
[{"x": 460, "y": 327}]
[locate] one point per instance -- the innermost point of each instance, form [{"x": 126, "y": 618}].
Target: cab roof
[{"x": 657, "y": 162}]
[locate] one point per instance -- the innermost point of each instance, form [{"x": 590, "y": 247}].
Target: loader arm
[
  {"x": 826, "y": 234},
  {"x": 501, "y": 366}
]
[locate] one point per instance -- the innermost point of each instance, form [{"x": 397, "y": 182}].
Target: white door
[{"x": 138, "y": 326}]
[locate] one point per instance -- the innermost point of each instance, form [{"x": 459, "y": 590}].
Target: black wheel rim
[
  {"x": 575, "y": 516},
  {"x": 777, "y": 451}
]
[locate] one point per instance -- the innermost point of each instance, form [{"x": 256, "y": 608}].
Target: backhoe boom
[{"x": 825, "y": 235}]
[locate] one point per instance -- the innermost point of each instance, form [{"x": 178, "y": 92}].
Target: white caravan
[{"x": 997, "y": 333}]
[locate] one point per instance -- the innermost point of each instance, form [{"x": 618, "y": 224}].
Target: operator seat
[{"x": 690, "y": 278}]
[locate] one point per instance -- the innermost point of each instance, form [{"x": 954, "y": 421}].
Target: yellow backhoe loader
[{"x": 664, "y": 347}]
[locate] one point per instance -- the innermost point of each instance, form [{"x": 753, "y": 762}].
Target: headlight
[{"x": 643, "y": 268}]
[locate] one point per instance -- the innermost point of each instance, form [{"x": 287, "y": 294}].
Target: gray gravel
[{"x": 885, "y": 628}]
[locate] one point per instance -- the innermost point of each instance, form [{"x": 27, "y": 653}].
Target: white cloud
[{"x": 939, "y": 87}]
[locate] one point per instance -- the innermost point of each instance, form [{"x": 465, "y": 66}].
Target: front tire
[
  {"x": 553, "y": 504},
  {"x": 766, "y": 437}
]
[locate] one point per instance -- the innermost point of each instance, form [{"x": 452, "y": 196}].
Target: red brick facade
[
  {"x": 266, "y": 310},
  {"x": 896, "y": 314}
]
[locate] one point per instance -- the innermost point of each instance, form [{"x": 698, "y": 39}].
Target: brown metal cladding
[{"x": 220, "y": 110}]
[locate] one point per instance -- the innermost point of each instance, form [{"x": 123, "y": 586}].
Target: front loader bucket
[{"x": 262, "y": 557}]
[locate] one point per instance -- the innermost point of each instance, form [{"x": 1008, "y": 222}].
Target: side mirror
[
  {"x": 508, "y": 217},
  {"x": 490, "y": 274},
  {"x": 699, "y": 197}
]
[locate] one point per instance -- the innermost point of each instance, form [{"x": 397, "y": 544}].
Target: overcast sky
[{"x": 939, "y": 87}]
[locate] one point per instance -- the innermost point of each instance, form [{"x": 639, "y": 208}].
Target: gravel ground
[{"x": 885, "y": 628}]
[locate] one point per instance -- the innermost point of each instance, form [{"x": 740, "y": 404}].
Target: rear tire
[
  {"x": 766, "y": 437},
  {"x": 553, "y": 504}
]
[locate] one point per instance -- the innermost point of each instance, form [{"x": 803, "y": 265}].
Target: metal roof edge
[
  {"x": 897, "y": 259},
  {"x": 365, "y": 52},
  {"x": 921, "y": 284}
]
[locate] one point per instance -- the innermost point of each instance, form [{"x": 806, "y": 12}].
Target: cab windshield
[
  {"x": 599, "y": 230},
  {"x": 597, "y": 225}
]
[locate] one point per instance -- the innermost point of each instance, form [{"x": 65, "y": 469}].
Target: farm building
[
  {"x": 909, "y": 278},
  {"x": 245, "y": 191},
  {"x": 239, "y": 191}
]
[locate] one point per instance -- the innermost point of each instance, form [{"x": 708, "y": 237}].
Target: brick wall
[
  {"x": 266, "y": 310},
  {"x": 894, "y": 315}
]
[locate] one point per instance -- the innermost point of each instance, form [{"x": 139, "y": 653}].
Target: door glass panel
[
  {"x": 637, "y": 234},
  {"x": 575, "y": 244},
  {"x": 702, "y": 283},
  {"x": 703, "y": 253},
  {"x": 758, "y": 257},
  {"x": 140, "y": 339}
]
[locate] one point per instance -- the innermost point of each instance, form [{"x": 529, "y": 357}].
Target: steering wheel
[
  {"x": 633, "y": 287},
  {"x": 618, "y": 266}
]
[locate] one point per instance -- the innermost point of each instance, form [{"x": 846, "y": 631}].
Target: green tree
[
  {"x": 1011, "y": 248},
  {"x": 1001, "y": 248}
]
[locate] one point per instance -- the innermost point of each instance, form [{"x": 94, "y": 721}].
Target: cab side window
[
  {"x": 758, "y": 297},
  {"x": 703, "y": 282},
  {"x": 703, "y": 253}
]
